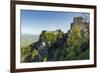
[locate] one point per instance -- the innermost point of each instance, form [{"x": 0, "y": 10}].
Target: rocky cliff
[{"x": 59, "y": 46}]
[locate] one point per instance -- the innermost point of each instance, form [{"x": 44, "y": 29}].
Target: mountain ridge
[{"x": 59, "y": 46}]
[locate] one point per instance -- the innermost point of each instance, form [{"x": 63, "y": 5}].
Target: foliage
[
  {"x": 74, "y": 36},
  {"x": 59, "y": 46},
  {"x": 25, "y": 51},
  {"x": 51, "y": 36},
  {"x": 34, "y": 53},
  {"x": 45, "y": 59}
]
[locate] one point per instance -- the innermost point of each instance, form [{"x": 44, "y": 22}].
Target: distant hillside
[{"x": 27, "y": 39}]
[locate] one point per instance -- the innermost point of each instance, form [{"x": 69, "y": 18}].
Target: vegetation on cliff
[{"x": 59, "y": 46}]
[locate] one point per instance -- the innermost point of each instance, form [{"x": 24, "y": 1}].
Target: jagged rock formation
[{"x": 79, "y": 21}]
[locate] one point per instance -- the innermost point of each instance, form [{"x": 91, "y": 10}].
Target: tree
[
  {"x": 74, "y": 42},
  {"x": 74, "y": 36}
]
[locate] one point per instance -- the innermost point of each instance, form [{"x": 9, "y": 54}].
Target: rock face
[
  {"x": 49, "y": 42},
  {"x": 79, "y": 21},
  {"x": 84, "y": 29},
  {"x": 53, "y": 45}
]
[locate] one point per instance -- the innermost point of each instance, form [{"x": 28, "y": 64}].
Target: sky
[{"x": 35, "y": 21}]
